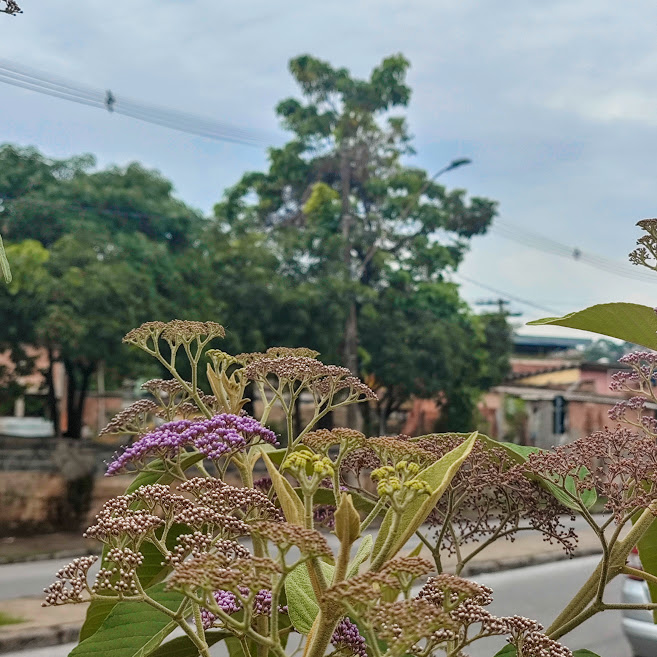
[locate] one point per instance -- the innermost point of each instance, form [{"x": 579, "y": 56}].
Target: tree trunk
[
  {"x": 76, "y": 397},
  {"x": 385, "y": 407},
  {"x": 350, "y": 343},
  {"x": 53, "y": 404}
]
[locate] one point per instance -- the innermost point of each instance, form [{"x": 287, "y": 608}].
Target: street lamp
[{"x": 454, "y": 164}]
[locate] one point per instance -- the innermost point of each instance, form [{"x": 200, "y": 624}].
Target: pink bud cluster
[{"x": 71, "y": 583}]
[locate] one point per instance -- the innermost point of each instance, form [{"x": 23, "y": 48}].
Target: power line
[
  {"x": 511, "y": 297},
  {"x": 551, "y": 246},
  {"x": 44, "y": 83}
]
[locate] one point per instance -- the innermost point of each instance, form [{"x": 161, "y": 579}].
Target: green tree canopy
[
  {"x": 353, "y": 224},
  {"x": 94, "y": 253}
]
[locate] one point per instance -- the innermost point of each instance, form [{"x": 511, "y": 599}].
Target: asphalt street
[{"x": 536, "y": 592}]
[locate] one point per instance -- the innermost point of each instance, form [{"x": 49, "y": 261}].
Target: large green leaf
[
  {"x": 631, "y": 322},
  {"x": 301, "y": 601},
  {"x": 182, "y": 646},
  {"x": 438, "y": 475},
  {"x": 648, "y": 554},
  {"x": 132, "y": 629},
  {"x": 583, "y": 652}
]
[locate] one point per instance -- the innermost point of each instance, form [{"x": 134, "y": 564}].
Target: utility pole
[{"x": 502, "y": 306}]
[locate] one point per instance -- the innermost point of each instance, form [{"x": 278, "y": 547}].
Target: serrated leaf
[
  {"x": 438, "y": 475},
  {"x": 362, "y": 555},
  {"x": 132, "y": 629},
  {"x": 631, "y": 322},
  {"x": 301, "y": 602},
  {"x": 290, "y": 503},
  {"x": 182, "y": 646}
]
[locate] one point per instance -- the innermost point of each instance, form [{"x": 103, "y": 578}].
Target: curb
[
  {"x": 497, "y": 565},
  {"x": 58, "y": 634},
  {"x": 45, "y": 556},
  {"x": 38, "y": 637}
]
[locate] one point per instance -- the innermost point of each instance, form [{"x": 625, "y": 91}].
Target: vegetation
[
  {"x": 250, "y": 563},
  {"x": 339, "y": 246}
]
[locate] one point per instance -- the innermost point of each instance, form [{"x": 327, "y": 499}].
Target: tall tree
[
  {"x": 342, "y": 208},
  {"x": 94, "y": 254}
]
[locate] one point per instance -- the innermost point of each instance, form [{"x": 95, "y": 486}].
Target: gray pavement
[
  {"x": 536, "y": 592},
  {"x": 540, "y": 592}
]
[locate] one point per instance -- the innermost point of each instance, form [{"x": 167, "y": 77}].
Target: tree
[
  {"x": 94, "y": 254},
  {"x": 607, "y": 351},
  {"x": 345, "y": 214}
]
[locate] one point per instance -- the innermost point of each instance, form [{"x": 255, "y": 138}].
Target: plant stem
[
  {"x": 615, "y": 564},
  {"x": 382, "y": 557},
  {"x": 372, "y": 514}
]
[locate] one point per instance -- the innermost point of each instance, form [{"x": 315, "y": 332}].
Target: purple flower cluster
[
  {"x": 347, "y": 636},
  {"x": 230, "y": 604},
  {"x": 214, "y": 437}
]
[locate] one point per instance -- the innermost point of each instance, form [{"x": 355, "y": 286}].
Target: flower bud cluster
[
  {"x": 215, "y": 571},
  {"x": 347, "y": 637},
  {"x": 122, "y": 577},
  {"x": 285, "y": 535},
  {"x": 400, "y": 484},
  {"x": 116, "y": 521},
  {"x": 71, "y": 583},
  {"x": 321, "y": 440},
  {"x": 230, "y": 603},
  {"x": 490, "y": 496},
  {"x": 252, "y": 504},
  {"x": 309, "y": 468},
  {"x": 616, "y": 463},
  {"x": 131, "y": 420},
  {"x": 176, "y": 332},
  {"x": 324, "y": 381}
]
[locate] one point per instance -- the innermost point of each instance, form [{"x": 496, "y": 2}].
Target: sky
[{"x": 555, "y": 103}]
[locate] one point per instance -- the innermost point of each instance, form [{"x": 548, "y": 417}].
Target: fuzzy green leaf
[
  {"x": 631, "y": 322},
  {"x": 182, "y": 646},
  {"x": 301, "y": 602},
  {"x": 290, "y": 503},
  {"x": 507, "y": 651},
  {"x": 438, "y": 475},
  {"x": 362, "y": 555},
  {"x": 132, "y": 629},
  {"x": 583, "y": 652}
]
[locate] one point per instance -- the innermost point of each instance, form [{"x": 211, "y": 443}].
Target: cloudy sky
[{"x": 555, "y": 102}]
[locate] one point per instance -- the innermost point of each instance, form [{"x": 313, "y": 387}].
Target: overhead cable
[{"x": 44, "y": 83}]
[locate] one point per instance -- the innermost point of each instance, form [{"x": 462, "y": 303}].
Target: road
[
  {"x": 536, "y": 592},
  {"x": 539, "y": 592}
]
